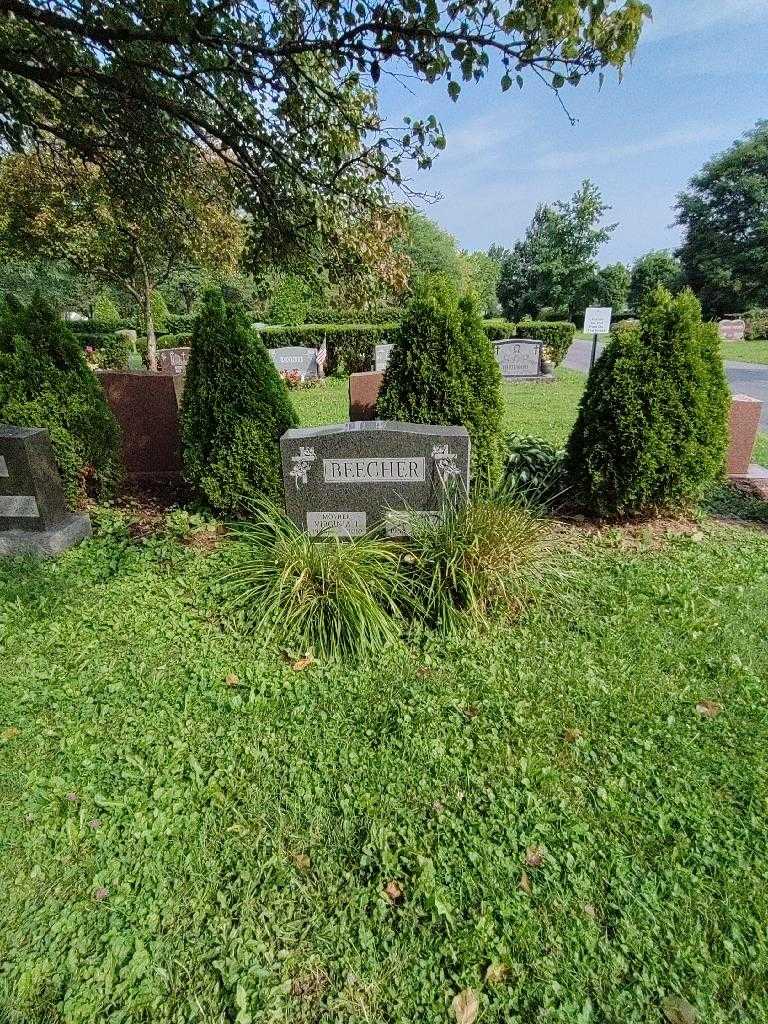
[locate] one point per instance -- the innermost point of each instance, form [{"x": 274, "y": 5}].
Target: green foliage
[
  {"x": 497, "y": 329},
  {"x": 431, "y": 250},
  {"x": 159, "y": 312},
  {"x": 534, "y": 472},
  {"x": 757, "y": 325},
  {"x": 105, "y": 311},
  {"x": 235, "y": 409},
  {"x": 555, "y": 265},
  {"x": 290, "y": 300},
  {"x": 658, "y": 268},
  {"x": 113, "y": 354},
  {"x": 328, "y": 596},
  {"x": 45, "y": 382},
  {"x": 175, "y": 340},
  {"x": 651, "y": 433},
  {"x": 556, "y": 335},
  {"x": 351, "y": 347},
  {"x": 484, "y": 272},
  {"x": 442, "y": 369},
  {"x": 725, "y": 251},
  {"x": 610, "y": 287}
]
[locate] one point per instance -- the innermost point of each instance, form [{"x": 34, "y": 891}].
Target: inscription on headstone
[
  {"x": 732, "y": 330},
  {"x": 173, "y": 360},
  {"x": 383, "y": 353},
  {"x": 518, "y": 358},
  {"x": 347, "y": 478},
  {"x": 296, "y": 357},
  {"x": 33, "y": 510}
]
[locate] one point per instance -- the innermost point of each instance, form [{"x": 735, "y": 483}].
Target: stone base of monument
[
  {"x": 46, "y": 542},
  {"x": 743, "y": 426}
]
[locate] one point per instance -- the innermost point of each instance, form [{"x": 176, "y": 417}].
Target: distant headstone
[
  {"x": 173, "y": 360},
  {"x": 363, "y": 394},
  {"x": 383, "y": 353},
  {"x": 347, "y": 478},
  {"x": 73, "y": 316},
  {"x": 732, "y": 330},
  {"x": 33, "y": 510},
  {"x": 296, "y": 357},
  {"x": 518, "y": 357}
]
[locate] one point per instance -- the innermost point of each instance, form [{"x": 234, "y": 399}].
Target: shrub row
[
  {"x": 498, "y": 329},
  {"x": 350, "y": 346},
  {"x": 557, "y": 336}
]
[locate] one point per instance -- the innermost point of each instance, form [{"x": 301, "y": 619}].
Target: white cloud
[{"x": 677, "y": 137}]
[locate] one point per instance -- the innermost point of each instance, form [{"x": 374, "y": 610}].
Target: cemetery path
[{"x": 744, "y": 378}]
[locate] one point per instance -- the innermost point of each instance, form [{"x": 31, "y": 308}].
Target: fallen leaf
[
  {"x": 72, "y": 798},
  {"x": 424, "y": 670},
  {"x": 697, "y": 537},
  {"x": 302, "y": 861},
  {"x": 438, "y": 807},
  {"x": 709, "y": 708},
  {"x": 525, "y": 883},
  {"x": 534, "y": 856},
  {"x": 302, "y": 663},
  {"x": 571, "y": 735},
  {"x": 394, "y": 892},
  {"x": 94, "y": 823},
  {"x": 496, "y": 973},
  {"x": 100, "y": 894},
  {"x": 232, "y": 680},
  {"x": 470, "y": 712},
  {"x": 9, "y": 734},
  {"x": 465, "y": 1006},
  {"x": 678, "y": 1010},
  {"x": 589, "y": 910}
]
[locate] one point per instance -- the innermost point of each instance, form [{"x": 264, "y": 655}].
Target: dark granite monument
[
  {"x": 296, "y": 357},
  {"x": 33, "y": 510},
  {"x": 519, "y": 358},
  {"x": 383, "y": 353},
  {"x": 173, "y": 360},
  {"x": 346, "y": 478}
]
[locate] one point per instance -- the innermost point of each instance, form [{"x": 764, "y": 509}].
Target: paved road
[{"x": 744, "y": 378}]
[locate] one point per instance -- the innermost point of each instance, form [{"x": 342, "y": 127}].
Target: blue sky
[{"x": 699, "y": 79}]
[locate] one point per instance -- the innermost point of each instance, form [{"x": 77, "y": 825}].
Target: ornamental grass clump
[
  {"x": 480, "y": 558},
  {"x": 328, "y": 595}
]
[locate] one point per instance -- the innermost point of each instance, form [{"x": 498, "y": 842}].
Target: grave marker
[
  {"x": 383, "y": 352},
  {"x": 296, "y": 357},
  {"x": 346, "y": 478},
  {"x": 518, "y": 357},
  {"x": 732, "y": 330},
  {"x": 173, "y": 360}
]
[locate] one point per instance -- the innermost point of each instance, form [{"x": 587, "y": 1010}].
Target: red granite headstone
[
  {"x": 146, "y": 407},
  {"x": 363, "y": 394},
  {"x": 744, "y": 423}
]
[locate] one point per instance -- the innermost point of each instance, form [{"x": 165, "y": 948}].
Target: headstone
[
  {"x": 146, "y": 407},
  {"x": 296, "y": 357},
  {"x": 173, "y": 360},
  {"x": 363, "y": 394},
  {"x": 347, "y": 478},
  {"x": 732, "y": 330},
  {"x": 383, "y": 353},
  {"x": 518, "y": 357},
  {"x": 744, "y": 423},
  {"x": 33, "y": 510}
]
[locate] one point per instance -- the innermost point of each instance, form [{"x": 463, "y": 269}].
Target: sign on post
[{"x": 597, "y": 320}]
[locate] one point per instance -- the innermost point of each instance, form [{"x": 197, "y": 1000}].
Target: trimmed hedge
[
  {"x": 97, "y": 327},
  {"x": 350, "y": 346},
  {"x": 557, "y": 336},
  {"x": 174, "y": 340},
  {"x": 497, "y": 329}
]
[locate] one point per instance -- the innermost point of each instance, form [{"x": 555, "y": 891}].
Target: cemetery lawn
[
  {"x": 566, "y": 815},
  {"x": 745, "y": 351}
]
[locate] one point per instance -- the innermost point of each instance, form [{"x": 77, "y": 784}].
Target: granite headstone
[
  {"x": 296, "y": 357},
  {"x": 347, "y": 478},
  {"x": 382, "y": 355},
  {"x": 732, "y": 330},
  {"x": 518, "y": 357},
  {"x": 173, "y": 360},
  {"x": 33, "y": 510}
]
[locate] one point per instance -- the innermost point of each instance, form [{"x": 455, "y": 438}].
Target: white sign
[
  {"x": 597, "y": 320},
  {"x": 373, "y": 471}
]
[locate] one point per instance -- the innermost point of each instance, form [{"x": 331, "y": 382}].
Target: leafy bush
[
  {"x": 496, "y": 330},
  {"x": 235, "y": 409},
  {"x": 480, "y": 557},
  {"x": 557, "y": 336},
  {"x": 95, "y": 327},
  {"x": 329, "y": 596},
  {"x": 322, "y": 314},
  {"x": 534, "y": 472},
  {"x": 159, "y": 312},
  {"x": 289, "y": 303},
  {"x": 442, "y": 369},
  {"x": 652, "y": 432},
  {"x": 105, "y": 311},
  {"x": 181, "y": 340},
  {"x": 45, "y": 382},
  {"x": 350, "y": 347},
  {"x": 113, "y": 354},
  {"x": 179, "y": 323},
  {"x": 757, "y": 325}
]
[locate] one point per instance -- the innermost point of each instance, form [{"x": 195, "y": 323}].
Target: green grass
[
  {"x": 543, "y": 410},
  {"x": 745, "y": 351},
  {"x": 193, "y": 831}
]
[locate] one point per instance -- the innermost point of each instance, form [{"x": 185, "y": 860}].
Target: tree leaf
[
  {"x": 302, "y": 663},
  {"x": 496, "y": 973},
  {"x": 709, "y": 708},
  {"x": 465, "y": 1006},
  {"x": 678, "y": 1010}
]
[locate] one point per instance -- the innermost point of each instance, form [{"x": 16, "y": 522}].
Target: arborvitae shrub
[
  {"x": 652, "y": 428},
  {"x": 105, "y": 312},
  {"x": 442, "y": 369},
  {"x": 45, "y": 382},
  {"x": 235, "y": 410}
]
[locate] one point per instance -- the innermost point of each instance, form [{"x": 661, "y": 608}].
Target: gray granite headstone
[
  {"x": 518, "y": 357},
  {"x": 296, "y": 357},
  {"x": 33, "y": 509},
  {"x": 347, "y": 478},
  {"x": 173, "y": 360},
  {"x": 383, "y": 353}
]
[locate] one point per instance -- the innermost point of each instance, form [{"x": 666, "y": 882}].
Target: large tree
[
  {"x": 282, "y": 92},
  {"x": 725, "y": 216},
  {"x": 70, "y": 212},
  {"x": 658, "y": 268},
  {"x": 555, "y": 265}
]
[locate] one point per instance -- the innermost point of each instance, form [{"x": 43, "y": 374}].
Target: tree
[
  {"x": 609, "y": 287},
  {"x": 556, "y": 262},
  {"x": 235, "y": 410},
  {"x": 431, "y": 250},
  {"x": 652, "y": 427},
  {"x": 442, "y": 370},
  {"x": 45, "y": 382},
  {"x": 54, "y": 282},
  {"x": 71, "y": 213},
  {"x": 724, "y": 214},
  {"x": 658, "y": 268},
  {"x": 275, "y": 89},
  {"x": 484, "y": 274}
]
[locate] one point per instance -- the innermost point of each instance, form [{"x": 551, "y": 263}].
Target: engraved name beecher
[{"x": 373, "y": 471}]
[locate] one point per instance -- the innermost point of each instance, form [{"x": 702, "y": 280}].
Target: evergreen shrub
[
  {"x": 46, "y": 382},
  {"x": 105, "y": 312},
  {"x": 234, "y": 411},
  {"x": 652, "y": 428},
  {"x": 498, "y": 329},
  {"x": 442, "y": 369},
  {"x": 557, "y": 336}
]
